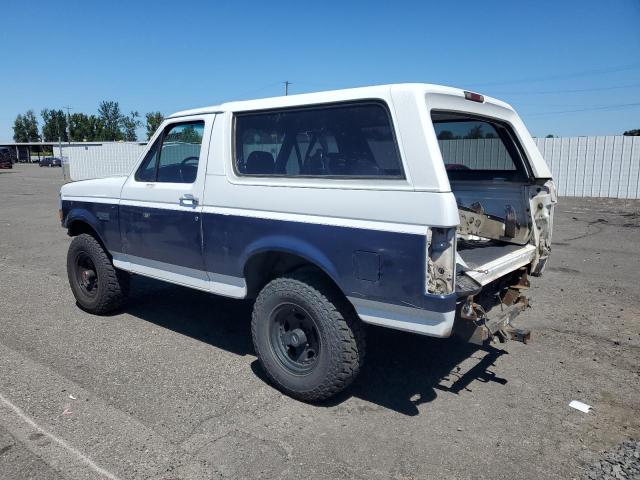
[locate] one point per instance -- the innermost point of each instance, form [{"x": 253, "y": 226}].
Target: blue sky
[{"x": 569, "y": 67}]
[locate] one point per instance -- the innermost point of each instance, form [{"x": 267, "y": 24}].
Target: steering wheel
[{"x": 185, "y": 162}]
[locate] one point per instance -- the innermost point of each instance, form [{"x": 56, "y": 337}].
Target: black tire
[
  {"x": 97, "y": 285},
  {"x": 337, "y": 334}
]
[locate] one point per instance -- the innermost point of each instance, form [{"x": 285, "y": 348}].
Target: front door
[{"x": 160, "y": 211}]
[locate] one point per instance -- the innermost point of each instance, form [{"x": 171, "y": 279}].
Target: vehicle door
[{"x": 160, "y": 211}]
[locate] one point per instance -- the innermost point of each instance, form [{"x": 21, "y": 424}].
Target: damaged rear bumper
[{"x": 487, "y": 312}]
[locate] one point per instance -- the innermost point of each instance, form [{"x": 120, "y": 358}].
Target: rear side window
[
  {"x": 474, "y": 147},
  {"x": 351, "y": 140},
  {"x": 174, "y": 157}
]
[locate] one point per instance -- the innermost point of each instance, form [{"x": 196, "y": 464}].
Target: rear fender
[{"x": 293, "y": 246}]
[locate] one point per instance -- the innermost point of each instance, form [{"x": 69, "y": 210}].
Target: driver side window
[{"x": 176, "y": 161}]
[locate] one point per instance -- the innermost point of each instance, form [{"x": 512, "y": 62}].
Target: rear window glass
[
  {"x": 472, "y": 147},
  {"x": 351, "y": 140}
]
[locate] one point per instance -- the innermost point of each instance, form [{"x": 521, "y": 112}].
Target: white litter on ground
[{"x": 583, "y": 407}]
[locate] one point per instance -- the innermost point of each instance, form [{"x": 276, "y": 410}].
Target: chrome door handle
[{"x": 188, "y": 200}]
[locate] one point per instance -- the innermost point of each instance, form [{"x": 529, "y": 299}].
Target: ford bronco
[{"x": 415, "y": 207}]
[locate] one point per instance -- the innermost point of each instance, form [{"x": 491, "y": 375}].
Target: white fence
[
  {"x": 594, "y": 166},
  {"x": 477, "y": 153},
  {"x": 97, "y": 160},
  {"x": 581, "y": 166}
]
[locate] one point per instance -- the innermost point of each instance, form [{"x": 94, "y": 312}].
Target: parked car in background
[
  {"x": 329, "y": 210},
  {"x": 6, "y": 159},
  {"x": 51, "y": 162}
]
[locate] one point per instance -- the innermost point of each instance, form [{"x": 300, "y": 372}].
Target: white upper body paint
[{"x": 423, "y": 198}]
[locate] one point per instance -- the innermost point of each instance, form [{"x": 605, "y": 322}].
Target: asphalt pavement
[{"x": 169, "y": 387}]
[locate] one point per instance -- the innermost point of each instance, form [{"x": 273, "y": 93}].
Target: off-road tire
[
  {"x": 112, "y": 284},
  {"x": 340, "y": 331}
]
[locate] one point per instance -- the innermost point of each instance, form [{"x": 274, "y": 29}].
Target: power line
[
  {"x": 588, "y": 109},
  {"x": 250, "y": 92},
  {"x": 600, "y": 71},
  {"x": 577, "y": 90}
]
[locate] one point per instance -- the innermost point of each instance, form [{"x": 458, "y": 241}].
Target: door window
[
  {"x": 147, "y": 170},
  {"x": 175, "y": 156}
]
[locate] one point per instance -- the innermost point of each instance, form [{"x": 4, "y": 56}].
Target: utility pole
[
  {"x": 67, "y": 108},
  {"x": 286, "y": 87}
]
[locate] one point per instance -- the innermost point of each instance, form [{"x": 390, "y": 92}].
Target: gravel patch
[{"x": 621, "y": 463}]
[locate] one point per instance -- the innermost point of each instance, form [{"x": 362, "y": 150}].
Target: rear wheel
[
  {"x": 308, "y": 339},
  {"x": 96, "y": 284}
]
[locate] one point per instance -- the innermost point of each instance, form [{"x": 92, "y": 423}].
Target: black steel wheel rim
[
  {"x": 86, "y": 274},
  {"x": 295, "y": 339}
]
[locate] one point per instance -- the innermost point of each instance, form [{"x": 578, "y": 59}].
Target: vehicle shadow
[{"x": 401, "y": 371}]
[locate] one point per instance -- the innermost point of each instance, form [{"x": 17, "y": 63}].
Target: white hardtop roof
[{"x": 377, "y": 91}]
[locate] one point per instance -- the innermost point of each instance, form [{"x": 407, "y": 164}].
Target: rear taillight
[
  {"x": 441, "y": 261},
  {"x": 474, "y": 97}
]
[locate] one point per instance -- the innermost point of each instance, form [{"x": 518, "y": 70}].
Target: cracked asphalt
[{"x": 169, "y": 388}]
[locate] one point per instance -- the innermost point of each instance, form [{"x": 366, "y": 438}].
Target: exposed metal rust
[
  {"x": 496, "y": 322},
  {"x": 474, "y": 221},
  {"x": 480, "y": 224}
]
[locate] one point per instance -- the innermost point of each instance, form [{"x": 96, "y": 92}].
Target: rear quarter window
[{"x": 353, "y": 140}]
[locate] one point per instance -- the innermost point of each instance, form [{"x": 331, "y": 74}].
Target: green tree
[
  {"x": 31, "y": 126},
  {"x": 632, "y": 133},
  {"x": 83, "y": 127},
  {"x": 474, "y": 132},
  {"x": 154, "y": 119},
  {"x": 187, "y": 135},
  {"x": 19, "y": 132},
  {"x": 447, "y": 135},
  {"x": 111, "y": 118},
  {"x": 25, "y": 128},
  {"x": 129, "y": 125},
  {"x": 54, "y": 126},
  {"x": 550, "y": 136}
]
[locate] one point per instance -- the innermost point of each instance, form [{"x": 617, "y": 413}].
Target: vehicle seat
[
  {"x": 364, "y": 167},
  {"x": 337, "y": 164},
  {"x": 314, "y": 165},
  {"x": 260, "y": 163}
]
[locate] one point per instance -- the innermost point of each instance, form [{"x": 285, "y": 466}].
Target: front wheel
[
  {"x": 308, "y": 339},
  {"x": 97, "y": 285}
]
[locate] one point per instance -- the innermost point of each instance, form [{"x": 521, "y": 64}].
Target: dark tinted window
[
  {"x": 147, "y": 170},
  {"x": 477, "y": 148},
  {"x": 176, "y": 161},
  {"x": 354, "y": 140}
]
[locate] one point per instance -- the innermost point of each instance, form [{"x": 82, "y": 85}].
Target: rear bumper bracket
[{"x": 478, "y": 327}]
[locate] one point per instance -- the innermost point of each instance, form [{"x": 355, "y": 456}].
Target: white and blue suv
[{"x": 416, "y": 207}]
